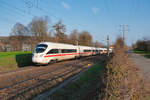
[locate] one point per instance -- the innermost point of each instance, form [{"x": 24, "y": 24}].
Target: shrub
[{"x": 123, "y": 80}]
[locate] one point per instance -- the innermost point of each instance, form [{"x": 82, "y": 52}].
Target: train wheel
[
  {"x": 51, "y": 61},
  {"x": 56, "y": 61},
  {"x": 76, "y": 57}
]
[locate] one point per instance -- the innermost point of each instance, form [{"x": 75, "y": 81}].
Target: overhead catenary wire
[
  {"x": 52, "y": 14},
  {"x": 11, "y": 12},
  {"x": 38, "y": 7},
  {"x": 21, "y": 12},
  {"x": 14, "y": 7}
]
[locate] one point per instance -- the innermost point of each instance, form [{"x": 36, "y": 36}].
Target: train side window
[
  {"x": 94, "y": 50},
  {"x": 74, "y": 50},
  {"x": 53, "y": 51},
  {"x": 68, "y": 50},
  {"x": 63, "y": 50},
  {"x": 86, "y": 50}
]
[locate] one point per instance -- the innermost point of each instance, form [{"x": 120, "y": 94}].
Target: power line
[
  {"x": 35, "y": 4},
  {"x": 14, "y": 7},
  {"x": 54, "y": 14},
  {"x": 12, "y": 12}
]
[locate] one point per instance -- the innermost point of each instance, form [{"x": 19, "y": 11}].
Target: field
[
  {"x": 14, "y": 60},
  {"x": 86, "y": 86},
  {"x": 143, "y": 53}
]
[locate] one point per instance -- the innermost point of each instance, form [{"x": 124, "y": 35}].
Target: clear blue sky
[{"x": 99, "y": 17}]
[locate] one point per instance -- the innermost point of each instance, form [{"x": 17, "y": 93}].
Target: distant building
[
  {"x": 4, "y": 39},
  {"x": 1, "y": 46},
  {"x": 6, "y": 46},
  {"x": 26, "y": 47}
]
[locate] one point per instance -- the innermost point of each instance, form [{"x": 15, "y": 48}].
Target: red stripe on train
[
  {"x": 61, "y": 55},
  {"x": 68, "y": 54}
]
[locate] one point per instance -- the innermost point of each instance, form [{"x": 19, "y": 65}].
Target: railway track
[{"x": 25, "y": 84}]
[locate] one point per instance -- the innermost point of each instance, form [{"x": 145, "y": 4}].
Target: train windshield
[{"x": 40, "y": 48}]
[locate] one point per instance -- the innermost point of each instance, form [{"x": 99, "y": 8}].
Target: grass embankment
[
  {"x": 14, "y": 60},
  {"x": 143, "y": 53},
  {"x": 124, "y": 81},
  {"x": 87, "y": 84}
]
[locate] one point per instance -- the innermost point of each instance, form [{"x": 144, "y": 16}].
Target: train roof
[
  {"x": 68, "y": 45},
  {"x": 63, "y": 44},
  {"x": 52, "y": 43},
  {"x": 58, "y": 45}
]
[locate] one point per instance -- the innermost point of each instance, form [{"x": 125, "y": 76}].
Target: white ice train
[{"x": 47, "y": 52}]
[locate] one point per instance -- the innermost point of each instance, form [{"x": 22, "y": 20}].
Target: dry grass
[{"x": 123, "y": 79}]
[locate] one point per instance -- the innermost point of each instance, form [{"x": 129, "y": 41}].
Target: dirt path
[{"x": 143, "y": 64}]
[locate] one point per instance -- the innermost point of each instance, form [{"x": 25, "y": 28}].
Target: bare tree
[
  {"x": 85, "y": 38},
  {"x": 38, "y": 28},
  {"x": 97, "y": 44},
  {"x": 18, "y": 35},
  {"x": 119, "y": 45},
  {"x": 143, "y": 45},
  {"x": 60, "y": 35},
  {"x": 74, "y": 37},
  {"x": 38, "y": 31}
]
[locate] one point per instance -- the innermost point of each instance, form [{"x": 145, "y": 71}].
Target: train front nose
[
  {"x": 36, "y": 58},
  {"x": 39, "y": 59}
]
